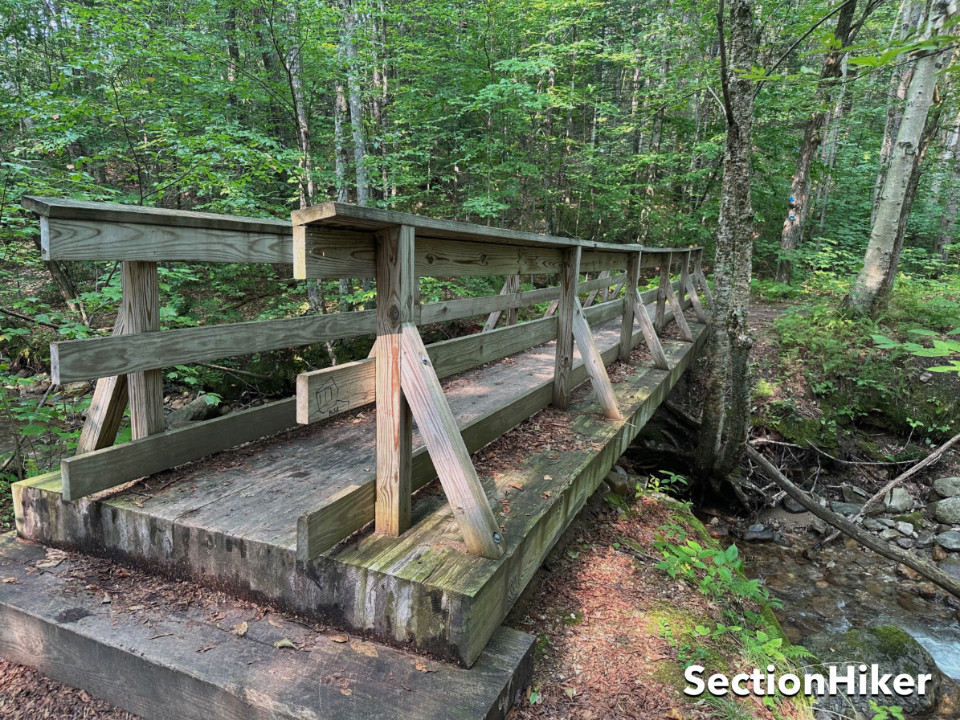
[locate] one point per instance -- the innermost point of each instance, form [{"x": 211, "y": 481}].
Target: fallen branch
[
  {"x": 927, "y": 569},
  {"x": 21, "y": 316},
  {"x": 902, "y": 477}
]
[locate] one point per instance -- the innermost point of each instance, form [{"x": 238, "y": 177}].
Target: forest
[{"x": 811, "y": 147}]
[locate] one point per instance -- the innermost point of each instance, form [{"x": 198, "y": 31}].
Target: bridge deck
[{"x": 231, "y": 520}]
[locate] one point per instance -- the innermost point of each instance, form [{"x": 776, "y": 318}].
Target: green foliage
[{"x": 886, "y": 712}]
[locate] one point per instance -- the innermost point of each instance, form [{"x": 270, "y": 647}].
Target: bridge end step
[{"x": 212, "y": 659}]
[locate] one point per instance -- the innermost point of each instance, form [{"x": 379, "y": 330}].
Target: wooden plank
[
  {"x": 141, "y": 311},
  {"x": 551, "y": 308},
  {"x": 593, "y": 261},
  {"x": 565, "y": 312},
  {"x": 335, "y": 214},
  {"x": 106, "y": 409},
  {"x": 450, "y": 457},
  {"x": 103, "y": 469},
  {"x": 396, "y": 289},
  {"x": 103, "y": 212},
  {"x": 604, "y": 274},
  {"x": 510, "y": 287},
  {"x": 322, "y": 394},
  {"x": 658, "y": 319},
  {"x": 701, "y": 278},
  {"x": 626, "y": 325},
  {"x": 452, "y": 356},
  {"x": 99, "y": 240},
  {"x": 678, "y": 314},
  {"x": 594, "y": 363},
  {"x": 316, "y": 255},
  {"x": 75, "y": 360},
  {"x": 649, "y": 334},
  {"x": 687, "y": 282},
  {"x": 468, "y": 307}
]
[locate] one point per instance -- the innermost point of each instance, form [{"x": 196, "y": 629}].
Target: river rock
[
  {"x": 927, "y": 590},
  {"x": 791, "y": 505},
  {"x": 948, "y": 510},
  {"x": 886, "y": 522},
  {"x": 947, "y": 487},
  {"x": 904, "y": 528},
  {"x": 949, "y": 540},
  {"x": 872, "y": 524},
  {"x": 905, "y": 542},
  {"x": 890, "y": 534},
  {"x": 195, "y": 410},
  {"x": 887, "y": 646},
  {"x": 844, "y": 508},
  {"x": 938, "y": 553},
  {"x": 853, "y": 495},
  {"x": 897, "y": 500},
  {"x": 951, "y": 566},
  {"x": 762, "y": 535},
  {"x": 925, "y": 539}
]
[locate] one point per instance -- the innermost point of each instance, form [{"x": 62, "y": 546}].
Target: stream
[{"x": 848, "y": 588}]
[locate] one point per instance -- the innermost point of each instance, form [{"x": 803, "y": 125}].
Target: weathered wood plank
[
  {"x": 701, "y": 278},
  {"x": 396, "y": 290},
  {"x": 658, "y": 318},
  {"x": 626, "y": 326},
  {"x": 450, "y": 457},
  {"x": 103, "y": 469},
  {"x": 469, "y": 307},
  {"x": 334, "y": 214},
  {"x": 75, "y": 360},
  {"x": 452, "y": 356},
  {"x": 511, "y": 286},
  {"x": 106, "y": 409},
  {"x": 565, "y": 313},
  {"x": 687, "y": 282},
  {"x": 140, "y": 305},
  {"x": 317, "y": 256},
  {"x": 678, "y": 313},
  {"x": 604, "y": 274},
  {"x": 99, "y": 240},
  {"x": 649, "y": 334},
  {"x": 322, "y": 394},
  {"x": 594, "y": 363}
]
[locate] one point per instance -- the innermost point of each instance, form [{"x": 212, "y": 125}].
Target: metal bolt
[
  {"x": 425, "y": 360},
  {"x": 496, "y": 537}
]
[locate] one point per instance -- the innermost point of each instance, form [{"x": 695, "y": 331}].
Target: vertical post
[
  {"x": 141, "y": 313},
  {"x": 701, "y": 278},
  {"x": 684, "y": 276},
  {"x": 569, "y": 275},
  {"x": 514, "y": 287},
  {"x": 659, "y": 317},
  {"x": 396, "y": 290},
  {"x": 626, "y": 326}
]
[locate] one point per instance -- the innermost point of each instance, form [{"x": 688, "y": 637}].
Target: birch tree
[{"x": 872, "y": 286}]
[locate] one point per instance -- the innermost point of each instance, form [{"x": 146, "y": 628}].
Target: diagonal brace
[{"x": 594, "y": 363}]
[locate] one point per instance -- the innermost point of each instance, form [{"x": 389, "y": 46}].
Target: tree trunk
[
  {"x": 911, "y": 20},
  {"x": 726, "y": 408},
  {"x": 882, "y": 256},
  {"x": 951, "y": 200},
  {"x": 349, "y": 44},
  {"x": 799, "y": 201}
]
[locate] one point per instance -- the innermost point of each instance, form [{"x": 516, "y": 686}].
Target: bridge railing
[{"x": 332, "y": 241}]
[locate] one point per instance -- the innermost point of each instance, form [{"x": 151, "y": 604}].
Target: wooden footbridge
[{"x": 325, "y": 503}]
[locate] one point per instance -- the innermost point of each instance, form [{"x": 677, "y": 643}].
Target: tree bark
[
  {"x": 799, "y": 204},
  {"x": 349, "y": 44},
  {"x": 726, "y": 408},
  {"x": 951, "y": 200},
  {"x": 867, "y": 294}
]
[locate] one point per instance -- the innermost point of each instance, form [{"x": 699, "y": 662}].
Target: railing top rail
[
  {"x": 62, "y": 209},
  {"x": 357, "y": 217}
]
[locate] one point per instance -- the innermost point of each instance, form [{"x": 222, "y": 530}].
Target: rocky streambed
[{"x": 844, "y": 586}]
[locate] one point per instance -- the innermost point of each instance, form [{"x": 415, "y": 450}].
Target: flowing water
[{"x": 847, "y": 587}]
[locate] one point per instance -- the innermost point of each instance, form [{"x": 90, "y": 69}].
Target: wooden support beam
[
  {"x": 323, "y": 394},
  {"x": 106, "y": 409},
  {"x": 658, "y": 318},
  {"x": 552, "y": 307},
  {"x": 396, "y": 289},
  {"x": 141, "y": 312},
  {"x": 626, "y": 325},
  {"x": 649, "y": 334},
  {"x": 593, "y": 293},
  {"x": 569, "y": 275},
  {"x": 677, "y": 308},
  {"x": 510, "y": 287},
  {"x": 103, "y": 469},
  {"x": 449, "y": 454},
  {"x": 701, "y": 278},
  {"x": 687, "y": 281},
  {"x": 594, "y": 363}
]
